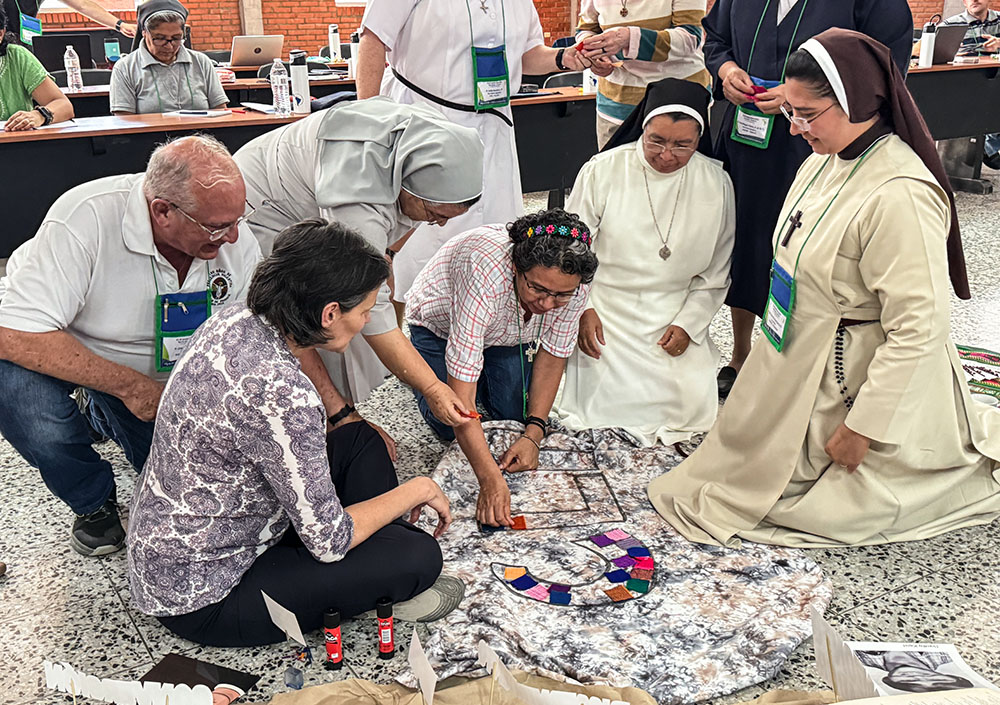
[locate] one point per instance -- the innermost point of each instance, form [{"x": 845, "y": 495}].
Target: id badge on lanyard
[
  {"x": 31, "y": 27},
  {"x": 491, "y": 81},
  {"x": 752, "y": 127},
  {"x": 780, "y": 303},
  {"x": 177, "y": 318}
]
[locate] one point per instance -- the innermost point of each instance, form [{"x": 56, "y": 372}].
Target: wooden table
[
  {"x": 251, "y": 71},
  {"x": 960, "y": 102},
  {"x": 93, "y": 101},
  {"x": 555, "y": 137}
]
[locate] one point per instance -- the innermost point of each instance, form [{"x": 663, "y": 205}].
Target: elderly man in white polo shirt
[{"x": 105, "y": 297}]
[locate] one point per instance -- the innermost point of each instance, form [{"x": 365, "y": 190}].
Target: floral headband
[{"x": 562, "y": 230}]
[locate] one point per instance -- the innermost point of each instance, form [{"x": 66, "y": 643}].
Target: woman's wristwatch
[
  {"x": 118, "y": 25},
  {"x": 46, "y": 114},
  {"x": 559, "y": 63}
]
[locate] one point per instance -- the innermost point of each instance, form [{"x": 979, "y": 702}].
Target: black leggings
[{"x": 398, "y": 561}]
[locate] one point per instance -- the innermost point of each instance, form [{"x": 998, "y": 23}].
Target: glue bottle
[
  {"x": 301, "y": 102},
  {"x": 927, "y": 40},
  {"x": 386, "y": 640},
  {"x": 331, "y": 635}
]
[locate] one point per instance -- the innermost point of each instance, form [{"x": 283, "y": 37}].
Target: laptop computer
[
  {"x": 949, "y": 39},
  {"x": 256, "y": 50},
  {"x": 50, "y": 48}
]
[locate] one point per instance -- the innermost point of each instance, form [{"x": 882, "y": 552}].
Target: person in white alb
[
  {"x": 104, "y": 297},
  {"x": 463, "y": 58},
  {"x": 663, "y": 222}
]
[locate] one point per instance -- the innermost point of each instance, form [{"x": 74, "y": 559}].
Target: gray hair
[
  {"x": 177, "y": 166},
  {"x": 163, "y": 17}
]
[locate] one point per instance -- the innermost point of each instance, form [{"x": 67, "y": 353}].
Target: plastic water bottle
[
  {"x": 279, "y": 88},
  {"x": 74, "y": 77}
]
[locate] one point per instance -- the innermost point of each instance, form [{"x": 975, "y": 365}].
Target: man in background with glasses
[
  {"x": 105, "y": 297},
  {"x": 162, "y": 75}
]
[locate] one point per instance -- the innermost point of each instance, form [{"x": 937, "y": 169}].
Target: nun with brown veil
[{"x": 851, "y": 423}]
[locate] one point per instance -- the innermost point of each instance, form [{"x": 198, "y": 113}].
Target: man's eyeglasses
[
  {"x": 800, "y": 122},
  {"x": 216, "y": 234},
  {"x": 562, "y": 297},
  {"x": 658, "y": 148},
  {"x": 164, "y": 41}
]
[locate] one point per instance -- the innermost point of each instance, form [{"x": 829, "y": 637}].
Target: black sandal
[{"x": 726, "y": 378}]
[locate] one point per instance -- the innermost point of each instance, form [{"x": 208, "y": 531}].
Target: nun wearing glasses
[
  {"x": 162, "y": 75},
  {"x": 662, "y": 216}
]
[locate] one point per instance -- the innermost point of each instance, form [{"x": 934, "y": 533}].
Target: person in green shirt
[{"x": 23, "y": 84}]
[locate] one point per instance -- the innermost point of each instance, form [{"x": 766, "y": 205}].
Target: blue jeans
[
  {"x": 499, "y": 390},
  {"x": 43, "y": 423},
  {"x": 992, "y": 145}
]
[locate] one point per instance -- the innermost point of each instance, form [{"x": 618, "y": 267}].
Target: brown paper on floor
[{"x": 361, "y": 692}]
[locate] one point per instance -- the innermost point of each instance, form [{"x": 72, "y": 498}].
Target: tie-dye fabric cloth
[{"x": 597, "y": 588}]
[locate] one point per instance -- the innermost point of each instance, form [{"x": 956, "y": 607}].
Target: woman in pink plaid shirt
[{"x": 495, "y": 313}]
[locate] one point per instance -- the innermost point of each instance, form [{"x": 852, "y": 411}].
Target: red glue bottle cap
[{"x": 331, "y": 619}]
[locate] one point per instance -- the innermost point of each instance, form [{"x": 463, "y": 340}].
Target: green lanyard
[
  {"x": 520, "y": 349},
  {"x": 156, "y": 85},
  {"x": 788, "y": 217},
  {"x": 795, "y": 33}
]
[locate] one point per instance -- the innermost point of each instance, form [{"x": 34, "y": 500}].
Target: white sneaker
[{"x": 437, "y": 601}]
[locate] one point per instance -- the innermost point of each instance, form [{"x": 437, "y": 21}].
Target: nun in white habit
[
  {"x": 662, "y": 218},
  {"x": 379, "y": 168}
]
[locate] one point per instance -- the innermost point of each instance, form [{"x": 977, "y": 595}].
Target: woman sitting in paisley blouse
[{"x": 246, "y": 491}]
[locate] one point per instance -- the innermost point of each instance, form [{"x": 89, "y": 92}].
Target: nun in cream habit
[
  {"x": 379, "y": 168},
  {"x": 662, "y": 221},
  {"x": 861, "y": 430}
]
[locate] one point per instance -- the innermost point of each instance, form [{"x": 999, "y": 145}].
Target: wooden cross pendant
[{"x": 793, "y": 224}]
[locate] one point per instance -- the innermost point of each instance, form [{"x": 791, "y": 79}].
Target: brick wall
[{"x": 303, "y": 22}]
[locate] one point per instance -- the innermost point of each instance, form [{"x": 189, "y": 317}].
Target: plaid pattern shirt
[{"x": 466, "y": 294}]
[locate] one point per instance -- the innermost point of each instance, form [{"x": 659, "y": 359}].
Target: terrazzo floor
[{"x": 57, "y": 605}]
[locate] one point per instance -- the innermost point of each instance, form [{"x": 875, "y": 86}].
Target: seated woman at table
[
  {"x": 163, "y": 75},
  {"x": 245, "y": 490},
  {"x": 851, "y": 422},
  {"x": 29, "y": 98},
  {"x": 489, "y": 303},
  {"x": 663, "y": 223}
]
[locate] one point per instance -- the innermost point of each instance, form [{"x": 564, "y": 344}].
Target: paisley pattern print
[
  {"x": 239, "y": 451},
  {"x": 711, "y": 621}
]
